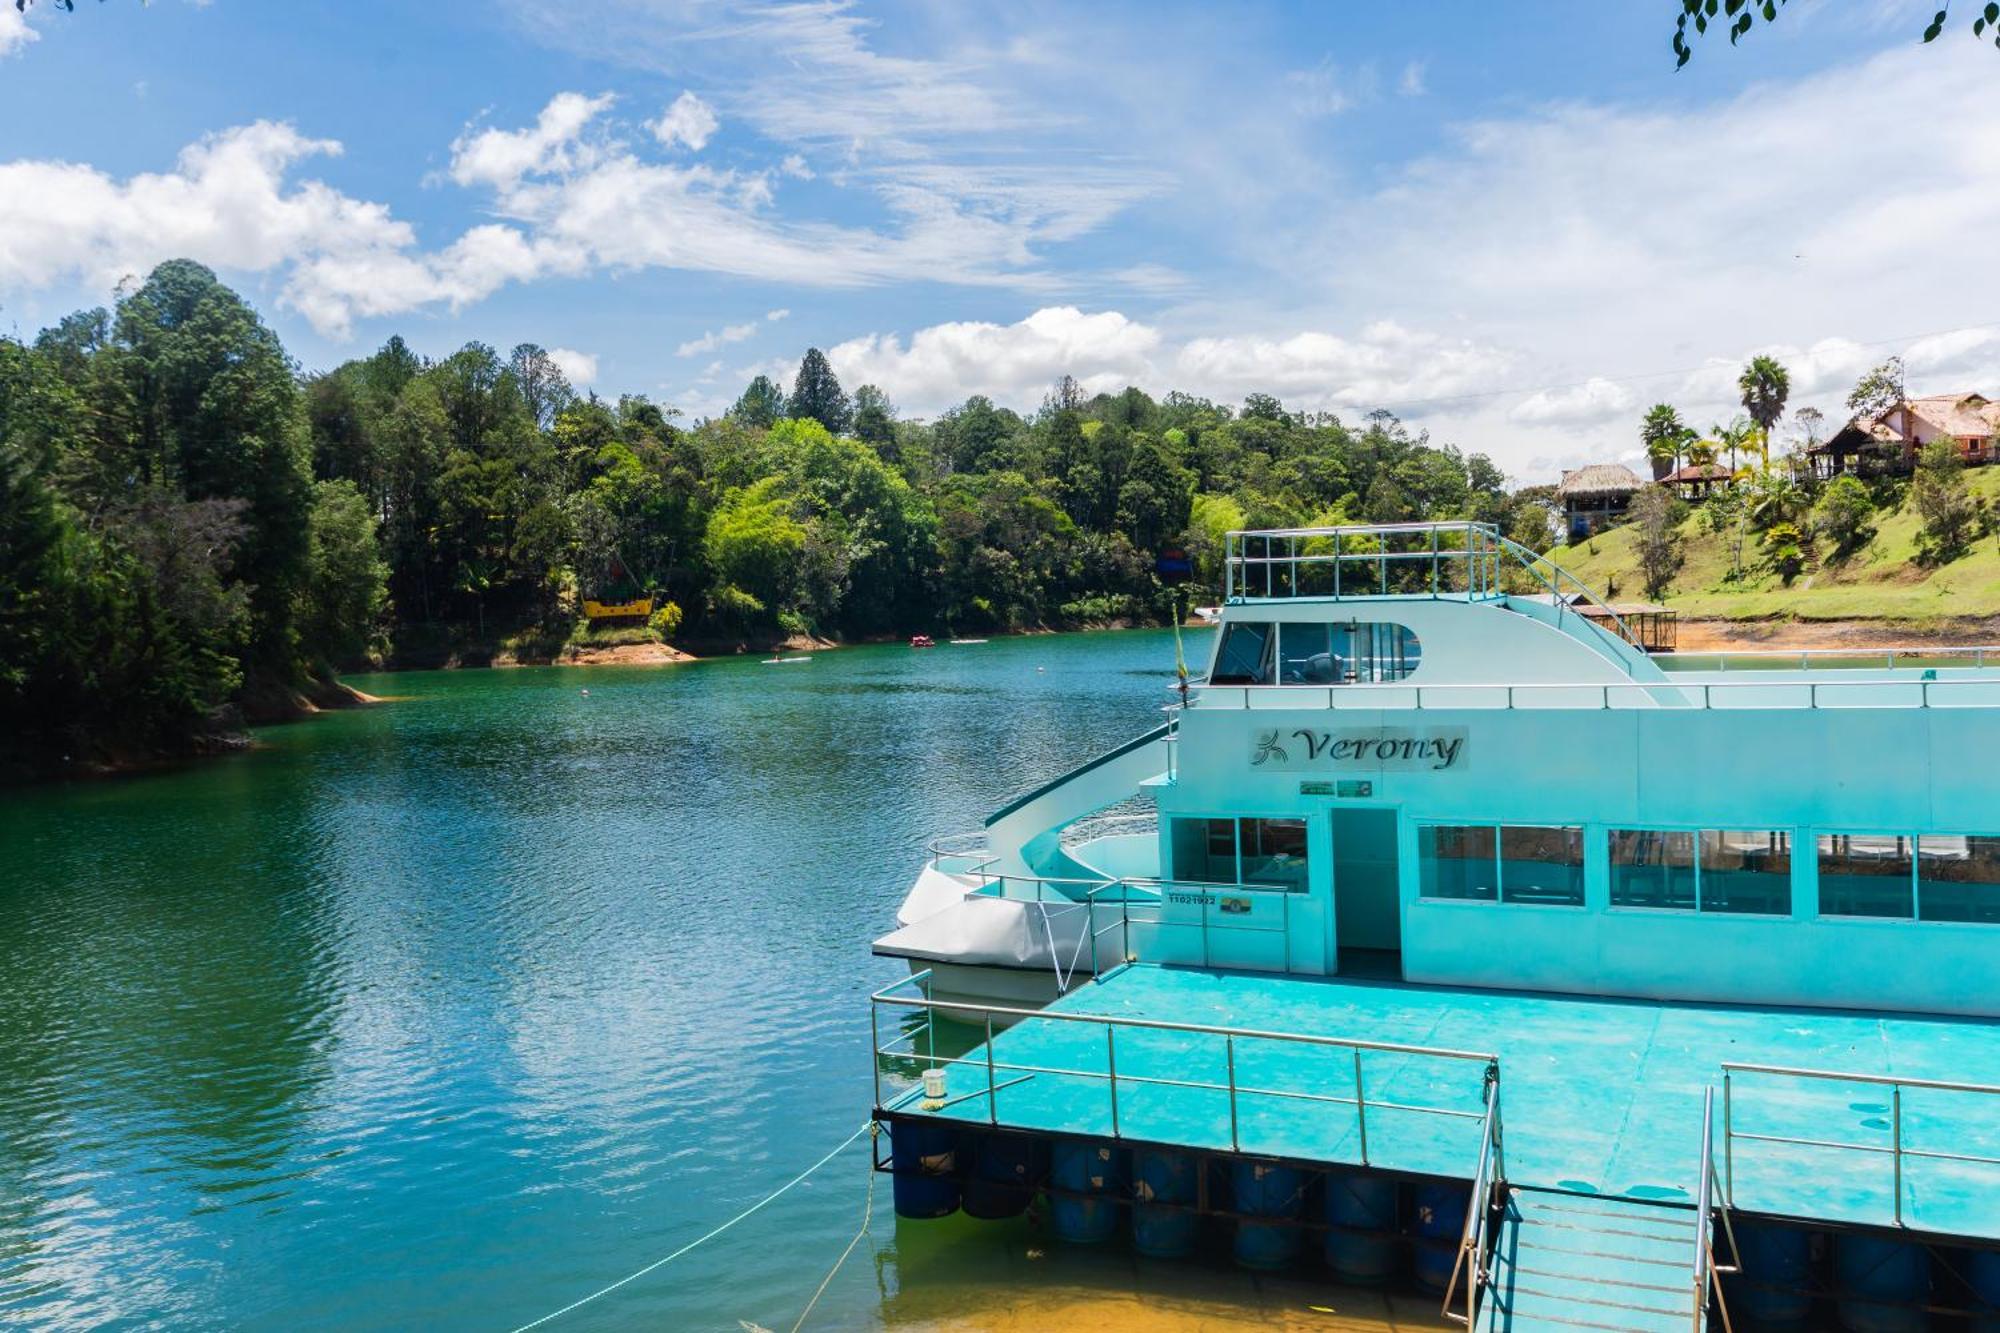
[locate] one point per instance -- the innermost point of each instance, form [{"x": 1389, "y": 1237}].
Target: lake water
[{"x": 451, "y": 1011}]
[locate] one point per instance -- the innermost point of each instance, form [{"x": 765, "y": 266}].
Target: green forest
[{"x": 194, "y": 531}]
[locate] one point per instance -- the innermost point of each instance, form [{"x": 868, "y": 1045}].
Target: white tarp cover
[{"x": 995, "y": 931}]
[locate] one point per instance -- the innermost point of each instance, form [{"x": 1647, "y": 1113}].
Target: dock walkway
[{"x": 1598, "y": 1096}]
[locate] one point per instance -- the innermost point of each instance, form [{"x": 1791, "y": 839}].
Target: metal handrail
[
  {"x": 1594, "y": 695},
  {"x": 1895, "y": 1148},
  {"x": 1234, "y": 1090},
  {"x": 1804, "y": 656},
  {"x": 1489, "y": 1181},
  {"x": 1705, "y": 1267}
]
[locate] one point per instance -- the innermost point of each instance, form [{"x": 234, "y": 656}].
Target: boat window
[
  {"x": 1306, "y": 656},
  {"x": 1958, "y": 879},
  {"x": 1457, "y": 861},
  {"x": 1274, "y": 852},
  {"x": 1746, "y": 870},
  {"x": 1205, "y": 850},
  {"x": 1245, "y": 655},
  {"x": 1866, "y": 874},
  {"x": 1652, "y": 868},
  {"x": 1541, "y": 865}
]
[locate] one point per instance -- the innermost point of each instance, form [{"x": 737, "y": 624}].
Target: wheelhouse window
[
  {"x": 1741, "y": 871},
  {"x": 1867, "y": 874},
  {"x": 1522, "y": 864},
  {"x": 1344, "y": 653},
  {"x": 1958, "y": 879},
  {"x": 1244, "y": 656},
  {"x": 1270, "y": 852}
]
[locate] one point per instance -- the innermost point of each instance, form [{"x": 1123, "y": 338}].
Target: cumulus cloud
[
  {"x": 579, "y": 368},
  {"x": 1014, "y": 363},
  {"x": 689, "y": 121},
  {"x": 1388, "y": 365},
  {"x": 722, "y": 337},
  {"x": 15, "y": 33},
  {"x": 500, "y": 158},
  {"x": 1591, "y": 403}
]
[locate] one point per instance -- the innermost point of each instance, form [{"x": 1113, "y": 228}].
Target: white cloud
[
  {"x": 1324, "y": 90},
  {"x": 1012, "y": 363},
  {"x": 722, "y": 337},
  {"x": 795, "y": 167},
  {"x": 579, "y": 368},
  {"x": 773, "y": 316},
  {"x": 688, "y": 121},
  {"x": 1411, "y": 83},
  {"x": 1590, "y": 403},
  {"x": 15, "y": 34},
  {"x": 1387, "y": 366},
  {"x": 500, "y": 158}
]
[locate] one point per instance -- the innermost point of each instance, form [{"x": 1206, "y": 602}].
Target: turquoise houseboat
[{"x": 1432, "y": 847}]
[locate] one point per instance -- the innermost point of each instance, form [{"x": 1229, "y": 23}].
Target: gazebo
[{"x": 1596, "y": 497}]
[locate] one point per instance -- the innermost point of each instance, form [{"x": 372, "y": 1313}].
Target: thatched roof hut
[{"x": 1599, "y": 481}]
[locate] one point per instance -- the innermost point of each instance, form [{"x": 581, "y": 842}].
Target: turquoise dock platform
[{"x": 1598, "y": 1096}]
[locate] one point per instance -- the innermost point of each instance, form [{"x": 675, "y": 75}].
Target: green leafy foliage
[{"x": 1739, "y": 16}]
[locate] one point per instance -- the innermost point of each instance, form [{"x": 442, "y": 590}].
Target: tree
[
  {"x": 345, "y": 586},
  {"x": 545, "y": 390},
  {"x": 1658, "y": 544},
  {"x": 1877, "y": 391},
  {"x": 1665, "y": 435},
  {"x": 875, "y": 420},
  {"x": 1765, "y": 385},
  {"x": 816, "y": 394},
  {"x": 762, "y": 405},
  {"x": 1742, "y": 15},
  {"x": 1944, "y": 506},
  {"x": 1845, "y": 514},
  {"x": 1812, "y": 425}
]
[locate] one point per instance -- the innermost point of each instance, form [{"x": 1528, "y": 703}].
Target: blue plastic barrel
[
  {"x": 1081, "y": 1166},
  {"x": 1775, "y": 1289},
  {"x": 1159, "y": 1178},
  {"x": 1437, "y": 1214},
  {"x": 1006, "y": 1171},
  {"x": 1264, "y": 1189},
  {"x": 1871, "y": 1272},
  {"x": 1982, "y": 1271},
  {"x": 924, "y": 1156},
  {"x": 1359, "y": 1202}
]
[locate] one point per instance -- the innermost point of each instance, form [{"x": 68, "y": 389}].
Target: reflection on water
[{"x": 447, "y": 1012}]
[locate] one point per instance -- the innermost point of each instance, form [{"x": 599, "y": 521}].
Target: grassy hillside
[{"x": 1880, "y": 581}]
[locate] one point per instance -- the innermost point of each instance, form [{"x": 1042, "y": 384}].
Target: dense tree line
[{"x": 191, "y": 522}]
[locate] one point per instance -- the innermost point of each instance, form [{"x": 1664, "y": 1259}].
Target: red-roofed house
[{"x": 1889, "y": 440}]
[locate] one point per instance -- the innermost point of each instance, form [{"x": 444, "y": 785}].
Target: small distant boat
[
  {"x": 922, "y": 641},
  {"x": 1207, "y": 615},
  {"x": 785, "y": 661},
  {"x": 965, "y": 641}
]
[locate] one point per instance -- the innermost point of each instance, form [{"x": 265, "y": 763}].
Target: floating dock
[{"x": 1590, "y": 1109}]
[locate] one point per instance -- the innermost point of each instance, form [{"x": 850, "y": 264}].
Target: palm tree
[
  {"x": 1701, "y": 453},
  {"x": 1664, "y": 436},
  {"x": 1765, "y": 384},
  {"x": 1734, "y": 437}
]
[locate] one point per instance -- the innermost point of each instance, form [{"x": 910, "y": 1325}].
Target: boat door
[{"x": 1367, "y": 898}]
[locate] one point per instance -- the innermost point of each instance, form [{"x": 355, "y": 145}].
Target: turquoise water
[{"x": 450, "y": 1011}]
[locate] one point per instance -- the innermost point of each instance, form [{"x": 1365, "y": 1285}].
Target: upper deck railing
[{"x": 1453, "y": 559}]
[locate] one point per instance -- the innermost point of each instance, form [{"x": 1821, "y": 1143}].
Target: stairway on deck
[{"x": 1588, "y": 1261}]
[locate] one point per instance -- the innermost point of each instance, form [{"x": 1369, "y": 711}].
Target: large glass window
[
  {"x": 1652, "y": 868},
  {"x": 1958, "y": 879},
  {"x": 1866, "y": 874},
  {"x": 1247, "y": 851},
  {"x": 1746, "y": 870},
  {"x": 1274, "y": 852},
  {"x": 1541, "y": 865},
  {"x": 1457, "y": 861},
  {"x": 1245, "y": 655}
]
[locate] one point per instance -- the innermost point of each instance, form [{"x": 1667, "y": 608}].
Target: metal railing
[
  {"x": 1807, "y": 659},
  {"x": 961, "y": 853},
  {"x": 1600, "y": 695},
  {"x": 1705, "y": 1267},
  {"x": 1489, "y": 1186},
  {"x": 1451, "y": 559},
  {"x": 1895, "y": 1148},
  {"x": 988, "y": 1063}
]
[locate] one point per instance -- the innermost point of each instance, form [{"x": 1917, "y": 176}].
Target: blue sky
[{"x": 1516, "y": 225}]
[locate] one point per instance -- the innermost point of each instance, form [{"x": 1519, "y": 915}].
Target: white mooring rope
[{"x": 863, "y": 1128}]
